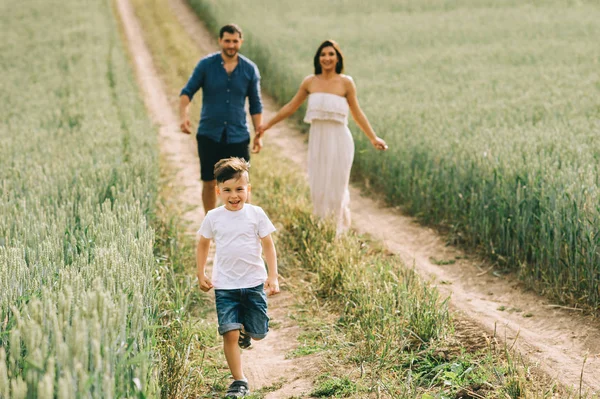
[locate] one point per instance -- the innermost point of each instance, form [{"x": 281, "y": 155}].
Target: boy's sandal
[
  {"x": 237, "y": 389},
  {"x": 244, "y": 341}
]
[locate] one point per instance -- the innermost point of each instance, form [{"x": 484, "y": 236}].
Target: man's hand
[
  {"x": 257, "y": 144},
  {"x": 204, "y": 283},
  {"x": 272, "y": 286},
  {"x": 186, "y": 126}
]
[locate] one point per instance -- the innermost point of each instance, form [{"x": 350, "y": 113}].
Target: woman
[{"x": 330, "y": 146}]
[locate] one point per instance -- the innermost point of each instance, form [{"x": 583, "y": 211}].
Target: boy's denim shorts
[{"x": 243, "y": 307}]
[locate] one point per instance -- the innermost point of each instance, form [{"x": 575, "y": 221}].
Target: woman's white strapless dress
[{"x": 330, "y": 155}]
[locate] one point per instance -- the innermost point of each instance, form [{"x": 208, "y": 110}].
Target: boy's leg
[
  {"x": 232, "y": 354},
  {"x": 256, "y": 321},
  {"x": 244, "y": 340},
  {"x": 229, "y": 310}
]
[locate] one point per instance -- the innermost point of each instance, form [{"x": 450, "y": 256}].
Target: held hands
[
  {"x": 272, "y": 286},
  {"x": 261, "y": 129},
  {"x": 204, "y": 283},
  {"x": 186, "y": 126},
  {"x": 379, "y": 144},
  {"x": 257, "y": 144}
]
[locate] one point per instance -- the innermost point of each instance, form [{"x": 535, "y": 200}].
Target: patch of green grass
[
  {"x": 272, "y": 388},
  {"x": 334, "y": 387},
  {"x": 310, "y": 343},
  {"x": 442, "y": 262}
]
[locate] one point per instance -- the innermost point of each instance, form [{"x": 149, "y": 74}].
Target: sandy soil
[{"x": 558, "y": 340}]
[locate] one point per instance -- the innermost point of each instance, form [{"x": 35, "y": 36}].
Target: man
[{"x": 226, "y": 79}]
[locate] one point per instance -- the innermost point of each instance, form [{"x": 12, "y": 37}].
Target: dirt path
[
  {"x": 560, "y": 340},
  {"x": 266, "y": 365},
  {"x": 178, "y": 150}
]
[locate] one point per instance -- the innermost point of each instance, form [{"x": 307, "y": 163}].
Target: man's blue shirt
[{"x": 224, "y": 97}]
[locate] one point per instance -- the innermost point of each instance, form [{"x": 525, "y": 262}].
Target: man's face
[{"x": 230, "y": 44}]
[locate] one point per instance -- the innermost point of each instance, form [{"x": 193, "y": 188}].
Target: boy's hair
[
  {"x": 230, "y": 28},
  {"x": 231, "y": 168}
]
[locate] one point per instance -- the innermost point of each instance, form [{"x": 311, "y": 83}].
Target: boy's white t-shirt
[{"x": 238, "y": 261}]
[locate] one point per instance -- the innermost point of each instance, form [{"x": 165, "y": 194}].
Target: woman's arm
[
  {"x": 359, "y": 116},
  {"x": 289, "y": 108}
]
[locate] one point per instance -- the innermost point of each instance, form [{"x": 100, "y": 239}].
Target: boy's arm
[
  {"x": 201, "y": 257},
  {"x": 272, "y": 283}
]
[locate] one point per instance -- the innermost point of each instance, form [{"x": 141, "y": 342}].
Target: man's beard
[{"x": 230, "y": 53}]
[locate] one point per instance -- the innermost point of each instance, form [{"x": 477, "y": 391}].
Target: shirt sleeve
[
  {"x": 206, "y": 229},
  {"x": 196, "y": 81},
  {"x": 265, "y": 227},
  {"x": 254, "y": 98}
]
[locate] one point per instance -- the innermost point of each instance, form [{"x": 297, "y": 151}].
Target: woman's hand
[{"x": 379, "y": 144}]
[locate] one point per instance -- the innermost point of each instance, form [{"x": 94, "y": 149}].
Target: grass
[
  {"x": 490, "y": 110},
  {"x": 393, "y": 334},
  {"x": 333, "y": 387}
]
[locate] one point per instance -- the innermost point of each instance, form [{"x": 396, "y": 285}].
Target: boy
[{"x": 239, "y": 276}]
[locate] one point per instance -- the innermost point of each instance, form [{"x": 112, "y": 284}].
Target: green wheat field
[
  {"x": 78, "y": 170},
  {"x": 491, "y": 110}
]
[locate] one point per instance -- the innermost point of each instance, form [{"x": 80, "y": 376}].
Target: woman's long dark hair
[{"x": 339, "y": 66}]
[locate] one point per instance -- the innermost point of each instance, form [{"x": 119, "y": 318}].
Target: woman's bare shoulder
[
  {"x": 309, "y": 78},
  {"x": 348, "y": 81},
  {"x": 306, "y": 82}
]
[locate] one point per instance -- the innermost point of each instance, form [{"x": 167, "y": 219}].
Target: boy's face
[{"x": 234, "y": 193}]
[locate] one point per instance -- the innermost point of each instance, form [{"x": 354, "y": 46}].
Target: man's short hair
[
  {"x": 231, "y": 168},
  {"x": 230, "y": 28}
]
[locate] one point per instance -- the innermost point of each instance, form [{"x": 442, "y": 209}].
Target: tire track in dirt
[
  {"x": 176, "y": 149},
  {"x": 265, "y": 364},
  {"x": 557, "y": 339}
]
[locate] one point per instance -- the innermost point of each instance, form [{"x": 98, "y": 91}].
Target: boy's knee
[{"x": 232, "y": 335}]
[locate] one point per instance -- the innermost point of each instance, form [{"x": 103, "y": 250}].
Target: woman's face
[{"x": 328, "y": 58}]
